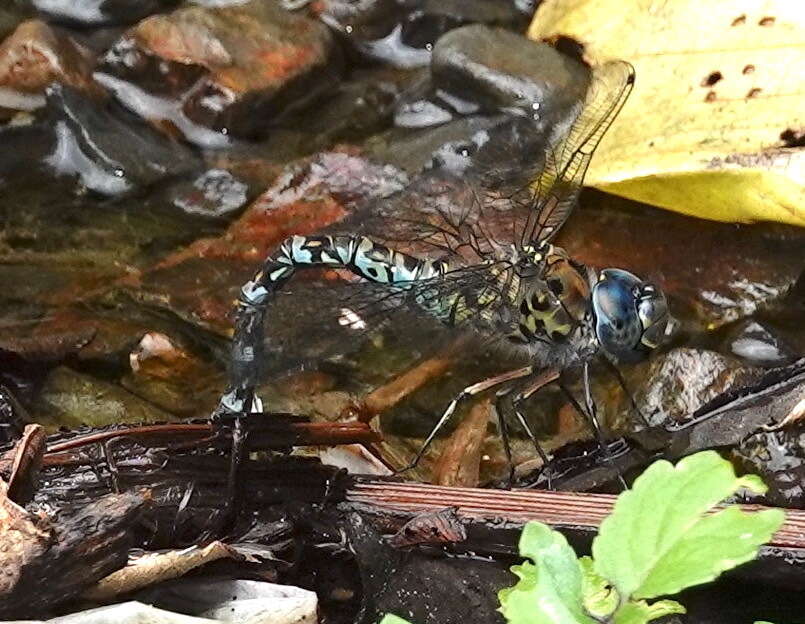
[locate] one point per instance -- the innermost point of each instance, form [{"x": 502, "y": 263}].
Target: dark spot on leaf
[
  {"x": 710, "y": 97},
  {"x": 766, "y": 21},
  {"x": 748, "y": 69},
  {"x": 712, "y": 79},
  {"x": 754, "y": 92},
  {"x": 793, "y": 138},
  {"x": 741, "y": 19}
]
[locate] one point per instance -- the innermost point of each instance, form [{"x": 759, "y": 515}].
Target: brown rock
[
  {"x": 35, "y": 55},
  {"x": 168, "y": 375},
  {"x": 230, "y": 68}
]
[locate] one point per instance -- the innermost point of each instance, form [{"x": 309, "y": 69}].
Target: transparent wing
[
  {"x": 440, "y": 215},
  {"x": 556, "y": 183},
  {"x": 492, "y": 206},
  {"x": 333, "y": 315}
]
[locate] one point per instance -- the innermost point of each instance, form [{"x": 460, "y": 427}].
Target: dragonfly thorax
[{"x": 553, "y": 304}]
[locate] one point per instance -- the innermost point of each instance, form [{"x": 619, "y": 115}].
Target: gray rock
[
  {"x": 101, "y": 11},
  {"x": 109, "y": 154},
  {"x": 503, "y": 70}
]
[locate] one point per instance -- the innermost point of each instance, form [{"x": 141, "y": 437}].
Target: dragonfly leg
[
  {"x": 465, "y": 394},
  {"x": 590, "y": 414},
  {"x": 503, "y": 427},
  {"x": 524, "y": 393}
]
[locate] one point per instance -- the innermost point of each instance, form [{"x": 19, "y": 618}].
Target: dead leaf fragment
[{"x": 154, "y": 568}]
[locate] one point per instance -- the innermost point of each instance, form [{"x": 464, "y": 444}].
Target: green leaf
[
  {"x": 549, "y": 589},
  {"x": 600, "y": 599},
  {"x": 642, "y": 612},
  {"x": 390, "y": 618},
  {"x": 658, "y": 541}
]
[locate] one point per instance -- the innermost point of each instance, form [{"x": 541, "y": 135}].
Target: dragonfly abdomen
[{"x": 359, "y": 254}]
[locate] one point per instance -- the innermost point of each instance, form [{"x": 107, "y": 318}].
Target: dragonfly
[{"x": 510, "y": 284}]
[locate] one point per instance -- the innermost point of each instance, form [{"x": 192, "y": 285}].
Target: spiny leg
[
  {"x": 591, "y": 416},
  {"x": 504, "y": 437},
  {"x": 465, "y": 394},
  {"x": 522, "y": 395}
]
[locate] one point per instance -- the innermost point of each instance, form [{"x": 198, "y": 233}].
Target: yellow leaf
[{"x": 719, "y": 100}]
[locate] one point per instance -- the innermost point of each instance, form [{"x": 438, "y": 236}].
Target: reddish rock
[
  {"x": 34, "y": 56},
  {"x": 230, "y": 68},
  {"x": 201, "y": 282},
  {"x": 170, "y": 376}
]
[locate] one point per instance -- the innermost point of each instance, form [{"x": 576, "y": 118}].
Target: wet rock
[
  {"x": 403, "y": 34},
  {"x": 758, "y": 345},
  {"x": 779, "y": 458},
  {"x": 215, "y": 193},
  {"x": 110, "y": 154},
  {"x": 681, "y": 381},
  {"x": 451, "y": 146},
  {"x": 421, "y": 114},
  {"x": 71, "y": 399},
  {"x": 353, "y": 110},
  {"x": 221, "y": 72},
  {"x": 201, "y": 282},
  {"x": 170, "y": 376},
  {"x": 502, "y": 70},
  {"x": 493, "y": 101},
  {"x": 97, "y": 12},
  {"x": 49, "y": 346},
  {"x": 714, "y": 273},
  {"x": 36, "y": 55}
]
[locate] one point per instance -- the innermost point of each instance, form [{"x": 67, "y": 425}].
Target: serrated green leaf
[
  {"x": 390, "y": 618},
  {"x": 718, "y": 543},
  {"x": 642, "y": 612},
  {"x": 549, "y": 589},
  {"x": 600, "y": 599},
  {"x": 657, "y": 539}
]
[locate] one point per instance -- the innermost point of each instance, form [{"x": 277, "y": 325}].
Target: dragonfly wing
[
  {"x": 333, "y": 314},
  {"x": 557, "y": 181}
]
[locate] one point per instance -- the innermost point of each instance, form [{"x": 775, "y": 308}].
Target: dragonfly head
[{"x": 630, "y": 315}]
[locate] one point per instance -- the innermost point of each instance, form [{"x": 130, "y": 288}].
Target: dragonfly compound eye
[{"x": 630, "y": 315}]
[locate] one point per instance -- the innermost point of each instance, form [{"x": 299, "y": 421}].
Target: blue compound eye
[{"x": 630, "y": 315}]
